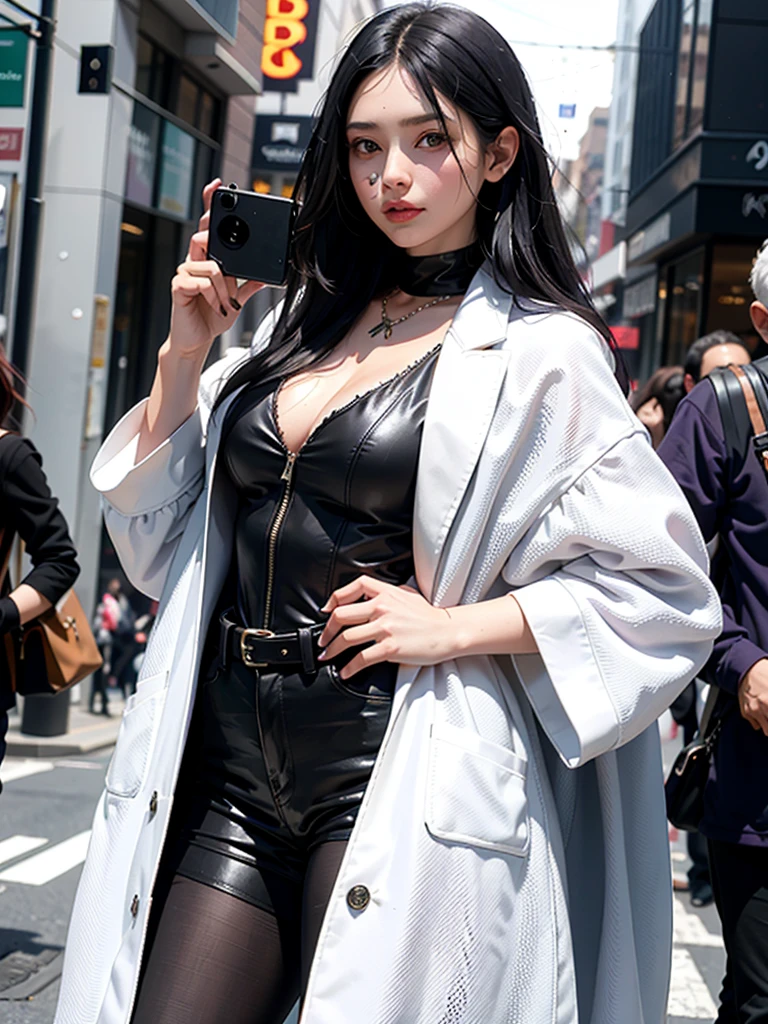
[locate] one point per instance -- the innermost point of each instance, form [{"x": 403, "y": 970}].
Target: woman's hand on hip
[
  {"x": 204, "y": 302},
  {"x": 397, "y": 622}
]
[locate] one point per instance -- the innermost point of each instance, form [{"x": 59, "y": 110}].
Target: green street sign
[{"x": 13, "y": 66}]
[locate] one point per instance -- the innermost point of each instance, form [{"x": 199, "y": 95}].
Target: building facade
[
  {"x": 123, "y": 175},
  {"x": 698, "y": 201}
]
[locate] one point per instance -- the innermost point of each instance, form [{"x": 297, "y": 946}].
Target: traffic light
[{"x": 95, "y": 69}]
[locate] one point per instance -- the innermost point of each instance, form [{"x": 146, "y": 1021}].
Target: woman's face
[{"x": 420, "y": 199}]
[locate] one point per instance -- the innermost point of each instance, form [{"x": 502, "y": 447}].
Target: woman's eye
[
  {"x": 433, "y": 139},
  {"x": 363, "y": 147}
]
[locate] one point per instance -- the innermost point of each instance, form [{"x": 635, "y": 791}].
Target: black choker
[{"x": 444, "y": 273}]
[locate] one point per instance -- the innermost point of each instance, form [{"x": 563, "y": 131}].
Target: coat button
[
  {"x": 358, "y": 897},
  {"x": 153, "y": 804},
  {"x": 134, "y": 906}
]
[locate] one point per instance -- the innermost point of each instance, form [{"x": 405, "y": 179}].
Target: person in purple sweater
[{"x": 728, "y": 493}]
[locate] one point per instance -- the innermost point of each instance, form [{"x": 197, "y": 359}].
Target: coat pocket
[
  {"x": 128, "y": 767},
  {"x": 476, "y": 792}
]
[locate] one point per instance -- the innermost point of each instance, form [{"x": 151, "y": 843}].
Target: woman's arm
[
  {"x": 204, "y": 304},
  {"x": 33, "y": 513}
]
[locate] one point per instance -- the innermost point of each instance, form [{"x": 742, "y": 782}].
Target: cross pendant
[{"x": 385, "y": 325}]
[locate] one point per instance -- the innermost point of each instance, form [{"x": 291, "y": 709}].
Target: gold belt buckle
[{"x": 244, "y": 650}]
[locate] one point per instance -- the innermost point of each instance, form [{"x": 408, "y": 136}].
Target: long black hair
[{"x": 341, "y": 260}]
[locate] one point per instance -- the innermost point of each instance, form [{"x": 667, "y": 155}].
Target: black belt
[{"x": 260, "y": 648}]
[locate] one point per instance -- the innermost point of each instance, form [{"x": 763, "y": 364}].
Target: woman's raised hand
[{"x": 205, "y": 303}]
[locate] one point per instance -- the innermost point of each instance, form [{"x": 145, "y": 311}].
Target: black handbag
[{"x": 684, "y": 788}]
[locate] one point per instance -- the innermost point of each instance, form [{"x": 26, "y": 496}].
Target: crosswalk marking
[
  {"x": 93, "y": 766},
  {"x": 17, "y": 846},
  {"x": 11, "y": 770},
  {"x": 690, "y": 930},
  {"x": 49, "y": 864},
  {"x": 689, "y": 996}
]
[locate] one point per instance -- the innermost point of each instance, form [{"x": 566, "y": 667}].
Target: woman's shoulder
[
  {"x": 14, "y": 448},
  {"x": 566, "y": 336}
]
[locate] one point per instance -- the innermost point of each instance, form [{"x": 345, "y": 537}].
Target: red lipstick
[{"x": 399, "y": 211}]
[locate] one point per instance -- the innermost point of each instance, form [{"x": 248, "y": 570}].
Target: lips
[{"x": 399, "y": 211}]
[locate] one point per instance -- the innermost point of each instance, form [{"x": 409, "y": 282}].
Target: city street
[{"x": 47, "y": 809}]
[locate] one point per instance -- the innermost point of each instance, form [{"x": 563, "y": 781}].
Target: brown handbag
[{"x": 54, "y": 651}]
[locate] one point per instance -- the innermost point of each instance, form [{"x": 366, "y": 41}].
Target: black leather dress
[{"x": 278, "y": 761}]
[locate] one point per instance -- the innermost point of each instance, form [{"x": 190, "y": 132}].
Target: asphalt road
[{"x": 48, "y": 806}]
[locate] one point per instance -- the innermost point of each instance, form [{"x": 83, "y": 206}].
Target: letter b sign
[{"x": 284, "y": 29}]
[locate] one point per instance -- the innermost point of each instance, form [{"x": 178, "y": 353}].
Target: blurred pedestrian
[
  {"x": 720, "y": 348},
  {"x": 727, "y": 487},
  {"x": 655, "y": 402},
  {"x": 113, "y": 629},
  {"x": 28, "y": 511}
]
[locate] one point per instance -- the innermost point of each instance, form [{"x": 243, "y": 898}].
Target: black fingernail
[
  {"x": 223, "y": 311},
  {"x": 235, "y": 304}
]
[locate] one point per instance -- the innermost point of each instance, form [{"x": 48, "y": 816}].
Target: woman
[
  {"x": 370, "y": 809},
  {"x": 655, "y": 402},
  {"x": 29, "y": 511}
]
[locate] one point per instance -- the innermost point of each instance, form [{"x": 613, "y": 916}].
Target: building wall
[
  {"x": 578, "y": 186},
  {"x": 81, "y": 237},
  {"x": 618, "y": 156},
  {"x": 237, "y": 143}
]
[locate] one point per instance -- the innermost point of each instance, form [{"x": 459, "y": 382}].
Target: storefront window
[
  {"x": 142, "y": 155},
  {"x": 176, "y": 172},
  {"x": 153, "y": 69},
  {"x": 684, "y": 293},
  {"x": 730, "y": 294},
  {"x": 209, "y": 115},
  {"x": 186, "y": 103}
]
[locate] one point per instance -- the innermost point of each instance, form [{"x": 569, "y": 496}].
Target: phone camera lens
[
  {"x": 228, "y": 201},
  {"x": 233, "y": 232}
]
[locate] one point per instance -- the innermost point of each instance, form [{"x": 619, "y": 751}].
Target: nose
[{"x": 397, "y": 171}]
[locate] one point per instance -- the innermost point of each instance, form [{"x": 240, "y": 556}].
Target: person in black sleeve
[
  {"x": 728, "y": 492},
  {"x": 29, "y": 510}
]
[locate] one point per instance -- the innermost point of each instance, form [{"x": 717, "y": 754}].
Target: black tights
[{"x": 212, "y": 957}]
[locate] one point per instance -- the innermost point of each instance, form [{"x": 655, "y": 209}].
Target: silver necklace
[{"x": 386, "y": 323}]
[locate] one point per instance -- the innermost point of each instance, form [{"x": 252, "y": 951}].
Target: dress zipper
[{"x": 277, "y": 522}]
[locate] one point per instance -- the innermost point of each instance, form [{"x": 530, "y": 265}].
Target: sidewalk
[{"x": 86, "y": 732}]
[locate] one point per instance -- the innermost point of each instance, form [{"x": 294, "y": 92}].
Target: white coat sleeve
[
  {"x": 147, "y": 503},
  {"x": 612, "y": 579}
]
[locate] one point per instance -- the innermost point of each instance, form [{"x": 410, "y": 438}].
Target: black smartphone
[{"x": 249, "y": 234}]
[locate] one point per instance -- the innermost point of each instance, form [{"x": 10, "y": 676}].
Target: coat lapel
[{"x": 463, "y": 396}]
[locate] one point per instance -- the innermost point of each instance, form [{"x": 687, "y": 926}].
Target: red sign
[
  {"x": 10, "y": 143},
  {"x": 627, "y": 337}
]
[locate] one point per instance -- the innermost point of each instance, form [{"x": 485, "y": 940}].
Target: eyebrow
[{"x": 408, "y": 121}]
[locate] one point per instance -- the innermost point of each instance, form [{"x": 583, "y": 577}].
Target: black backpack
[{"x": 742, "y": 397}]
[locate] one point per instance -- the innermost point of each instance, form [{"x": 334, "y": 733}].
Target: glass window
[
  {"x": 142, "y": 155},
  {"x": 686, "y": 282},
  {"x": 730, "y": 294},
  {"x": 209, "y": 114},
  {"x": 176, "y": 171},
  {"x": 684, "y": 71},
  {"x": 153, "y": 68},
  {"x": 700, "y": 63},
  {"x": 186, "y": 101},
  {"x": 144, "y": 55},
  {"x": 203, "y": 174}
]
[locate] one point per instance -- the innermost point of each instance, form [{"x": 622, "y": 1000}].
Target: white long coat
[{"x": 512, "y": 836}]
